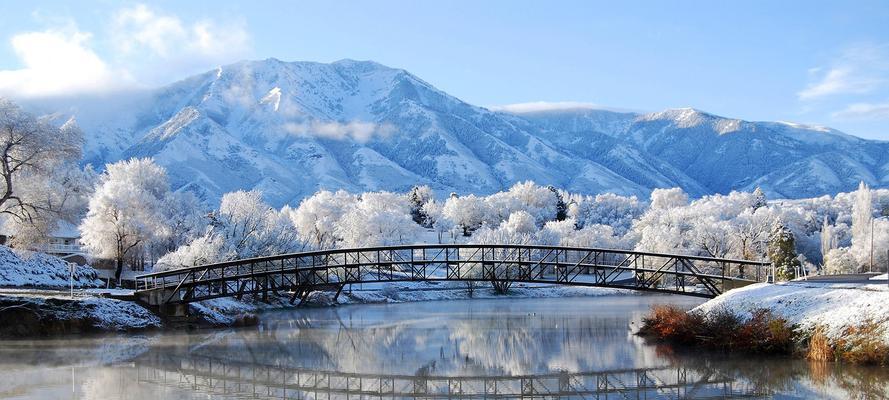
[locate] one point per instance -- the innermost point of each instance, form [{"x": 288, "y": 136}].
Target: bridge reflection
[{"x": 220, "y": 377}]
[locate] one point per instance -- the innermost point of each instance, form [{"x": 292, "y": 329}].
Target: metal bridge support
[{"x": 500, "y": 264}]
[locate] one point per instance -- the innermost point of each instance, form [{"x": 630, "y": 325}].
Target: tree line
[{"x": 131, "y": 215}]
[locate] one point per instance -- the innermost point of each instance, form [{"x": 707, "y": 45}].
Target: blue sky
[{"x": 812, "y": 62}]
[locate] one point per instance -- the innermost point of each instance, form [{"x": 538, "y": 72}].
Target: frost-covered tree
[
  {"x": 828, "y": 239},
  {"x": 244, "y": 226},
  {"x": 126, "y": 211},
  {"x": 782, "y": 252},
  {"x": 555, "y": 233},
  {"x": 606, "y": 209},
  {"x": 840, "y": 261},
  {"x": 40, "y": 181},
  {"x": 520, "y": 222},
  {"x": 664, "y": 199},
  {"x": 881, "y": 244},
  {"x": 862, "y": 217},
  {"x": 751, "y": 233},
  {"x": 466, "y": 212},
  {"x": 759, "y": 199},
  {"x": 185, "y": 219},
  {"x": 419, "y": 196},
  {"x": 534, "y": 199},
  {"x": 432, "y": 211},
  {"x": 316, "y": 217},
  {"x": 713, "y": 236},
  {"x": 595, "y": 236},
  {"x": 252, "y": 228},
  {"x": 379, "y": 218},
  {"x": 205, "y": 249},
  {"x": 66, "y": 192}
]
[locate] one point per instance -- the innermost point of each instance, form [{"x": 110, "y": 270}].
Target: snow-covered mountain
[{"x": 291, "y": 128}]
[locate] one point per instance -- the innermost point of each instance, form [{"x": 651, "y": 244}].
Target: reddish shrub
[
  {"x": 721, "y": 329},
  {"x": 671, "y": 323},
  {"x": 864, "y": 345}
]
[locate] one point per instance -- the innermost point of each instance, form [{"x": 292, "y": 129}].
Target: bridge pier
[
  {"x": 157, "y": 300},
  {"x": 173, "y": 310}
]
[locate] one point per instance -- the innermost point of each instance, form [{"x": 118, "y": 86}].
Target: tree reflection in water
[{"x": 579, "y": 347}]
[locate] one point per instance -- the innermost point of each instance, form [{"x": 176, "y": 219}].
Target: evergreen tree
[
  {"x": 418, "y": 197},
  {"x": 561, "y": 207},
  {"x": 782, "y": 252},
  {"x": 759, "y": 199}
]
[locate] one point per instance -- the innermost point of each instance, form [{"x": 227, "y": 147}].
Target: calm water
[{"x": 504, "y": 348}]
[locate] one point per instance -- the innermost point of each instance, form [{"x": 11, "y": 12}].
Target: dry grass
[
  {"x": 722, "y": 329},
  {"x": 863, "y": 345},
  {"x": 764, "y": 333},
  {"x": 819, "y": 346}
]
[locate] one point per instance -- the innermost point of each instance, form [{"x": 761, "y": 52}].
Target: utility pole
[{"x": 71, "y": 267}]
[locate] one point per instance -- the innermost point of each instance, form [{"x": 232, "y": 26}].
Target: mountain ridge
[{"x": 291, "y": 128}]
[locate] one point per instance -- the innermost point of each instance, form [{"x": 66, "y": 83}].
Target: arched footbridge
[{"x": 299, "y": 274}]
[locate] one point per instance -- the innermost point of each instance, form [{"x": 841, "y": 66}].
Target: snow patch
[
  {"x": 273, "y": 97},
  {"x": 25, "y": 268},
  {"x": 806, "y": 304}
]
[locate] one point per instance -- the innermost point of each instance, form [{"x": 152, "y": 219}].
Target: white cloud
[
  {"x": 359, "y": 131},
  {"x": 57, "y": 62},
  {"x": 541, "y": 106},
  {"x": 859, "y": 70},
  {"x": 141, "y": 29},
  {"x": 863, "y": 111},
  {"x": 147, "y": 48}
]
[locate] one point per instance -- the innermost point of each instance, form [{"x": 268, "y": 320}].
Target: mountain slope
[
  {"x": 704, "y": 153},
  {"x": 291, "y": 128}
]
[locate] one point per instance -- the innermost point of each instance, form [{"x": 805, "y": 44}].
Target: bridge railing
[{"x": 496, "y": 263}]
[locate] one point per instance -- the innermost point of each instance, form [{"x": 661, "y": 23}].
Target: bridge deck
[{"x": 301, "y": 273}]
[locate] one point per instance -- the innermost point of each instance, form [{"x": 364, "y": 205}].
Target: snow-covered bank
[
  {"x": 835, "y": 307},
  {"x": 29, "y": 316},
  {"x": 44, "y": 313},
  {"x": 25, "y": 268}
]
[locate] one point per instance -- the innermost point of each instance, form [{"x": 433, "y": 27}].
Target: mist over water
[{"x": 578, "y": 347}]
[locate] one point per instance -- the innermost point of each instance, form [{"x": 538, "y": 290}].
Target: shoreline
[
  {"x": 816, "y": 321},
  {"x": 43, "y": 313}
]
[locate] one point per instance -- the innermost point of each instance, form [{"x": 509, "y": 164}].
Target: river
[{"x": 579, "y": 347}]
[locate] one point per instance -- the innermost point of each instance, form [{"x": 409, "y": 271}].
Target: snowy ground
[
  {"x": 29, "y": 269},
  {"x": 807, "y": 304},
  {"x": 47, "y": 314}
]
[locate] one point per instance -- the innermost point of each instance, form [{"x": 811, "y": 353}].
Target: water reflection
[{"x": 540, "y": 348}]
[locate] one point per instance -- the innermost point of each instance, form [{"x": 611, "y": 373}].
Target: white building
[{"x": 63, "y": 242}]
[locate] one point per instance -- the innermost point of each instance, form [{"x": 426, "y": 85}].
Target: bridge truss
[{"x": 299, "y": 274}]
